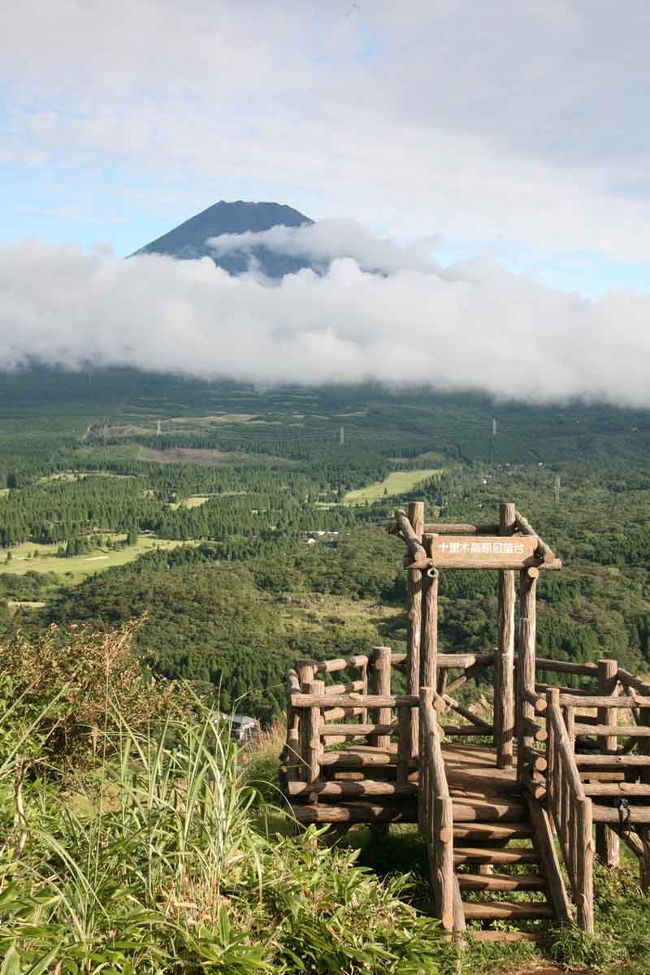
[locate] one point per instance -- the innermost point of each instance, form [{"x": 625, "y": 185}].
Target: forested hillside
[{"x": 102, "y": 473}]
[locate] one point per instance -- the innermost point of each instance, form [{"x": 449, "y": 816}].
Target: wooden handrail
[
  {"x": 436, "y": 818},
  {"x": 603, "y": 701},
  {"x": 353, "y": 700},
  {"x": 571, "y": 810},
  {"x": 566, "y": 667},
  {"x": 339, "y": 663}
]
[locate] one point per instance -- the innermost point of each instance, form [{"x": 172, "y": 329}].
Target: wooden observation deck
[{"x": 549, "y": 775}]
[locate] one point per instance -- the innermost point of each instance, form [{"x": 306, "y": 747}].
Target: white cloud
[
  {"x": 473, "y": 326},
  {"x": 326, "y": 240}
]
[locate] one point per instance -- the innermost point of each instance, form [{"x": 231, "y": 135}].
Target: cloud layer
[
  {"x": 472, "y": 326},
  {"x": 324, "y": 241}
]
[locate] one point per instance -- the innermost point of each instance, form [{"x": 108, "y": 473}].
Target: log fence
[
  {"x": 571, "y": 811},
  {"x": 437, "y": 819}
]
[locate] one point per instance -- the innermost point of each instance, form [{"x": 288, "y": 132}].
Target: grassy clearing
[
  {"x": 317, "y": 612},
  {"x": 195, "y": 501},
  {"x": 77, "y": 476},
  {"x": 397, "y": 482},
  {"x": 79, "y": 566}
]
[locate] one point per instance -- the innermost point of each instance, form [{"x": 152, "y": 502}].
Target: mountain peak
[{"x": 188, "y": 240}]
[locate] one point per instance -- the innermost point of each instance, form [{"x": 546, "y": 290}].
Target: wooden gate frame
[{"x": 511, "y": 698}]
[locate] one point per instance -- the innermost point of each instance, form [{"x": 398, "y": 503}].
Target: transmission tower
[
  {"x": 556, "y": 489},
  {"x": 342, "y": 436}
]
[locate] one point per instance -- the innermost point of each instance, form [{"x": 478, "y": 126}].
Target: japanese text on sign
[{"x": 490, "y": 550}]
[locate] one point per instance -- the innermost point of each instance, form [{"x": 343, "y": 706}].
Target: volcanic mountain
[{"x": 188, "y": 240}]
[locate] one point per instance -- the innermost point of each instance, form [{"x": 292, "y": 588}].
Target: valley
[{"x": 160, "y": 497}]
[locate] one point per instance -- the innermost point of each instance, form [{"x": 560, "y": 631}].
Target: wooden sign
[{"x": 484, "y": 551}]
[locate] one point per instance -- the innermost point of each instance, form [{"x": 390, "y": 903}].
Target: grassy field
[
  {"x": 79, "y": 566},
  {"x": 194, "y": 501},
  {"x": 398, "y": 482}
]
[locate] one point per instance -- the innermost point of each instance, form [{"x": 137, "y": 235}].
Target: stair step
[
  {"x": 368, "y": 788},
  {"x": 501, "y": 881},
  {"x": 491, "y": 832},
  {"x": 355, "y": 812},
  {"x": 484, "y": 854},
  {"x": 498, "y": 910},
  {"x": 482, "y": 810}
]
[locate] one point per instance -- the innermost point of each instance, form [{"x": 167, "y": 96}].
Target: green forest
[{"x": 270, "y": 563}]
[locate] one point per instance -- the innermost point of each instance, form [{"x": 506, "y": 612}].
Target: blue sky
[{"x": 515, "y": 131}]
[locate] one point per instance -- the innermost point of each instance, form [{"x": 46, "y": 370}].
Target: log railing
[
  {"x": 348, "y": 698},
  {"x": 436, "y": 818},
  {"x": 571, "y": 810}
]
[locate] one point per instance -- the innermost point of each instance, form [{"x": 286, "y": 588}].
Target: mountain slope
[{"x": 188, "y": 240}]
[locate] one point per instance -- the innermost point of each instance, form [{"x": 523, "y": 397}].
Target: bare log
[
  {"x": 526, "y": 659},
  {"x": 358, "y": 730},
  {"x": 429, "y": 638},
  {"x": 526, "y": 528},
  {"x": 412, "y": 533},
  {"x": 607, "y": 789},
  {"x": 611, "y": 730},
  {"x": 506, "y": 910},
  {"x": 310, "y": 725},
  {"x": 469, "y": 674},
  {"x": 545, "y": 846},
  {"x": 354, "y": 700},
  {"x": 481, "y": 854},
  {"x": 464, "y": 660},
  {"x": 445, "y": 528},
  {"x": 640, "y": 815},
  {"x": 339, "y": 663},
  {"x": 381, "y": 681},
  {"x": 359, "y": 789},
  {"x": 567, "y": 667},
  {"x": 357, "y": 812},
  {"x": 607, "y": 842},
  {"x": 612, "y": 761},
  {"x": 538, "y": 702},
  {"x": 504, "y": 661},
  {"x": 414, "y": 625},
  {"x": 607, "y": 702}
]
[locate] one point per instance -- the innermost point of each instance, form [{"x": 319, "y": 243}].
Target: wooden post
[
  {"x": 526, "y": 662},
  {"x": 585, "y": 861},
  {"x": 428, "y": 722},
  {"x": 429, "y": 650},
  {"x": 504, "y": 664},
  {"x": 414, "y": 627},
  {"x": 442, "y": 863},
  {"x": 607, "y": 841},
  {"x": 292, "y": 751},
  {"x": 381, "y": 681},
  {"x": 310, "y": 725},
  {"x": 363, "y": 676}
]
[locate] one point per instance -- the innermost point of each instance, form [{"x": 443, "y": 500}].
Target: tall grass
[{"x": 161, "y": 860}]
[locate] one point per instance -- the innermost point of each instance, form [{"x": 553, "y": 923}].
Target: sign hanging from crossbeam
[{"x": 483, "y": 551}]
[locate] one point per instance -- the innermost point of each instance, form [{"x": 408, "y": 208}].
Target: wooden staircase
[
  {"x": 502, "y": 853},
  {"x": 490, "y": 841}
]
